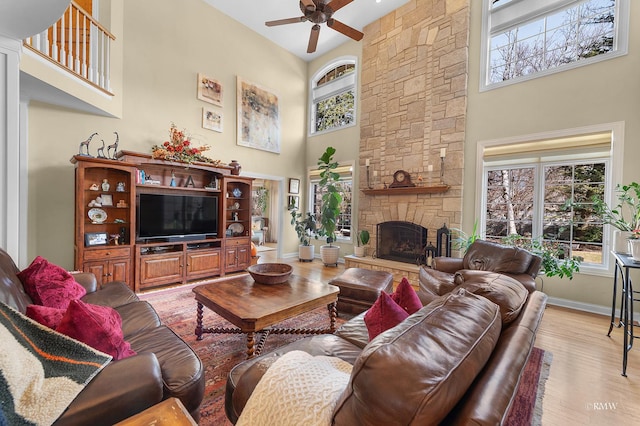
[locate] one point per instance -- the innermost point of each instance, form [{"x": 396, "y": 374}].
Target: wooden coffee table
[{"x": 254, "y": 307}]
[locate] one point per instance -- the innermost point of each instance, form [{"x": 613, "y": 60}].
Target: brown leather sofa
[
  {"x": 165, "y": 366},
  {"x": 456, "y": 361}
]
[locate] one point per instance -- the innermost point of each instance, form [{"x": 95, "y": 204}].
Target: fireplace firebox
[{"x": 401, "y": 241}]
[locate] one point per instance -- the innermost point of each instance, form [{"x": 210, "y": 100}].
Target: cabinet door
[
  {"x": 99, "y": 269},
  {"x": 161, "y": 269},
  {"x": 203, "y": 263},
  {"x": 231, "y": 259},
  {"x": 244, "y": 256},
  {"x": 119, "y": 270}
]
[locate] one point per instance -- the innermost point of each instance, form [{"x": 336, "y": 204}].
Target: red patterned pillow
[
  {"x": 98, "y": 326},
  {"x": 383, "y": 315},
  {"x": 50, "y": 285},
  {"x": 406, "y": 297},
  {"x": 49, "y": 317}
]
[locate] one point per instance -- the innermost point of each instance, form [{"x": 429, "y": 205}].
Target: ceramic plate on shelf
[
  {"x": 236, "y": 228},
  {"x": 97, "y": 215},
  {"x": 237, "y": 193}
]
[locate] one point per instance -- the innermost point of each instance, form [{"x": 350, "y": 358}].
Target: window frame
[
  {"x": 544, "y": 8},
  {"x": 313, "y": 179},
  {"x": 335, "y": 87},
  {"x": 613, "y": 176}
]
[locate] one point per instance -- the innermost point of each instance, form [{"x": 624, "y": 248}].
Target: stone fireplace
[
  {"x": 413, "y": 109},
  {"x": 401, "y": 241}
]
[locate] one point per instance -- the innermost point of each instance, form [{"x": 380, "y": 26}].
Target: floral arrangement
[{"x": 179, "y": 148}]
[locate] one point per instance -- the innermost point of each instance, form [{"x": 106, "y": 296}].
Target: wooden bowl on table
[{"x": 270, "y": 273}]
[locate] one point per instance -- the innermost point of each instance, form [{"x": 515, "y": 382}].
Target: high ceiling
[{"x": 295, "y": 37}]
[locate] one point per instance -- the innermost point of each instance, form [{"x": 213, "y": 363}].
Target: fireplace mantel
[{"x": 433, "y": 189}]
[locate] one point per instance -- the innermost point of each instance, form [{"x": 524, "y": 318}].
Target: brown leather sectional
[
  {"x": 456, "y": 361},
  {"x": 165, "y": 366}
]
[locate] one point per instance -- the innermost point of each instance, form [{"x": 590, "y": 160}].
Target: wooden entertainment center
[{"x": 107, "y": 195}]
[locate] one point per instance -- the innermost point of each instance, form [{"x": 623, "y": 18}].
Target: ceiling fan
[{"x": 319, "y": 12}]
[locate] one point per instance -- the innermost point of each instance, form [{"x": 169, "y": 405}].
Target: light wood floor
[{"x": 585, "y": 386}]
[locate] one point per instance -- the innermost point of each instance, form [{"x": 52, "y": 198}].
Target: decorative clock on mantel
[{"x": 401, "y": 179}]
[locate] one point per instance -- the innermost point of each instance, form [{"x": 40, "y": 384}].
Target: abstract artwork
[
  {"x": 209, "y": 90},
  {"x": 258, "y": 117},
  {"x": 212, "y": 119}
]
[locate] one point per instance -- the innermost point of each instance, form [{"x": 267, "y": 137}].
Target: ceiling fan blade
[
  {"x": 337, "y": 4},
  {"x": 285, "y": 21},
  {"x": 345, "y": 29},
  {"x": 309, "y": 5},
  {"x": 313, "y": 38}
]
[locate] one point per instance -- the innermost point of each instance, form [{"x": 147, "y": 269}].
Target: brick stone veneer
[{"x": 413, "y": 103}]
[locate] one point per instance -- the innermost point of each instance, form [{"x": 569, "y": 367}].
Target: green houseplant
[
  {"x": 305, "y": 227},
  {"x": 362, "y": 240},
  {"x": 329, "y": 206},
  {"x": 624, "y": 216}
]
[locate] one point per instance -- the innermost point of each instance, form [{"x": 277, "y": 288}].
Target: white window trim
[
  {"x": 614, "y": 177},
  {"x": 621, "y": 28},
  {"x": 351, "y": 78}
]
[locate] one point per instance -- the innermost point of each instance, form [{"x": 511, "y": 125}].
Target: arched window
[{"x": 333, "y": 96}]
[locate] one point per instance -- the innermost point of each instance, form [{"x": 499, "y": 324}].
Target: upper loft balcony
[{"x": 77, "y": 62}]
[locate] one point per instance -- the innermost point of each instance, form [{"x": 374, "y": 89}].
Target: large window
[
  {"x": 527, "y": 39},
  {"x": 544, "y": 190},
  {"x": 333, "y": 96},
  {"x": 345, "y": 186}
]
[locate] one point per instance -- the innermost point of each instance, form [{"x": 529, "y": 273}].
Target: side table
[{"x": 623, "y": 266}]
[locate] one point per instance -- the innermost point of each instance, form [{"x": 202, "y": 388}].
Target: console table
[{"x": 623, "y": 266}]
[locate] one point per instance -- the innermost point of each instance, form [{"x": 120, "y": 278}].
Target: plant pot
[
  {"x": 634, "y": 248},
  {"x": 620, "y": 244},
  {"x": 359, "y": 251},
  {"x": 329, "y": 254},
  {"x": 306, "y": 253}
]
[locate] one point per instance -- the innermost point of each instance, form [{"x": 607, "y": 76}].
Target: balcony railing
[{"x": 79, "y": 44}]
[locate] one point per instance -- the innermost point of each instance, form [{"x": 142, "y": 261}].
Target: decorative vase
[
  {"x": 329, "y": 254},
  {"x": 620, "y": 244},
  {"x": 306, "y": 253},
  {"x": 634, "y": 248},
  {"x": 235, "y": 167}
]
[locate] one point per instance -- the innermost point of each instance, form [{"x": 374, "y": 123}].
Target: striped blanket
[{"x": 41, "y": 371}]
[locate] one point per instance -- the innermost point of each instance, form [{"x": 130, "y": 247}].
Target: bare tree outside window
[{"x": 569, "y": 35}]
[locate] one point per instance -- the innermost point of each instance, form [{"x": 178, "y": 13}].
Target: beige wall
[
  {"x": 595, "y": 94},
  {"x": 165, "y": 45}
]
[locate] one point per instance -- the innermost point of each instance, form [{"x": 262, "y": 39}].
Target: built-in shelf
[{"x": 433, "y": 189}]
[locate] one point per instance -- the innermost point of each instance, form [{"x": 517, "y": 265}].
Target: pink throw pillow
[
  {"x": 406, "y": 296},
  {"x": 49, "y": 317},
  {"x": 383, "y": 315},
  {"x": 98, "y": 326},
  {"x": 50, "y": 285}
]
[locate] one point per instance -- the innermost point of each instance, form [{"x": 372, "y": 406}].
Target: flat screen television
[{"x": 161, "y": 216}]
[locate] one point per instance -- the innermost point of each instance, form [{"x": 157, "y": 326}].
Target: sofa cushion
[
  {"x": 50, "y": 285},
  {"x": 436, "y": 282},
  {"x": 506, "y": 292},
  {"x": 405, "y": 296},
  {"x": 431, "y": 359},
  {"x": 98, "y": 326},
  {"x": 384, "y": 314},
  {"x": 114, "y": 294},
  {"x": 49, "y": 317}
]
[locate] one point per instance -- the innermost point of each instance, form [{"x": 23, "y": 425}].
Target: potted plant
[
  {"x": 624, "y": 216},
  {"x": 305, "y": 226},
  {"x": 329, "y": 206},
  {"x": 362, "y": 241}
]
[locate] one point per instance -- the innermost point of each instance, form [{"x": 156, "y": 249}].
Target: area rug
[
  {"x": 220, "y": 352},
  {"x": 261, "y": 249}
]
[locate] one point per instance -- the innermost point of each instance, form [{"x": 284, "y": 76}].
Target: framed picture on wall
[
  {"x": 294, "y": 186},
  {"x": 258, "y": 117},
  {"x": 212, "y": 120},
  {"x": 209, "y": 90}
]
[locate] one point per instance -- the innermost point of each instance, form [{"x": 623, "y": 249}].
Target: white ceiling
[{"x": 294, "y": 37}]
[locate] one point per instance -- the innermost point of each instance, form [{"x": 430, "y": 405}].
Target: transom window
[
  {"x": 527, "y": 39},
  {"x": 333, "y": 96}
]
